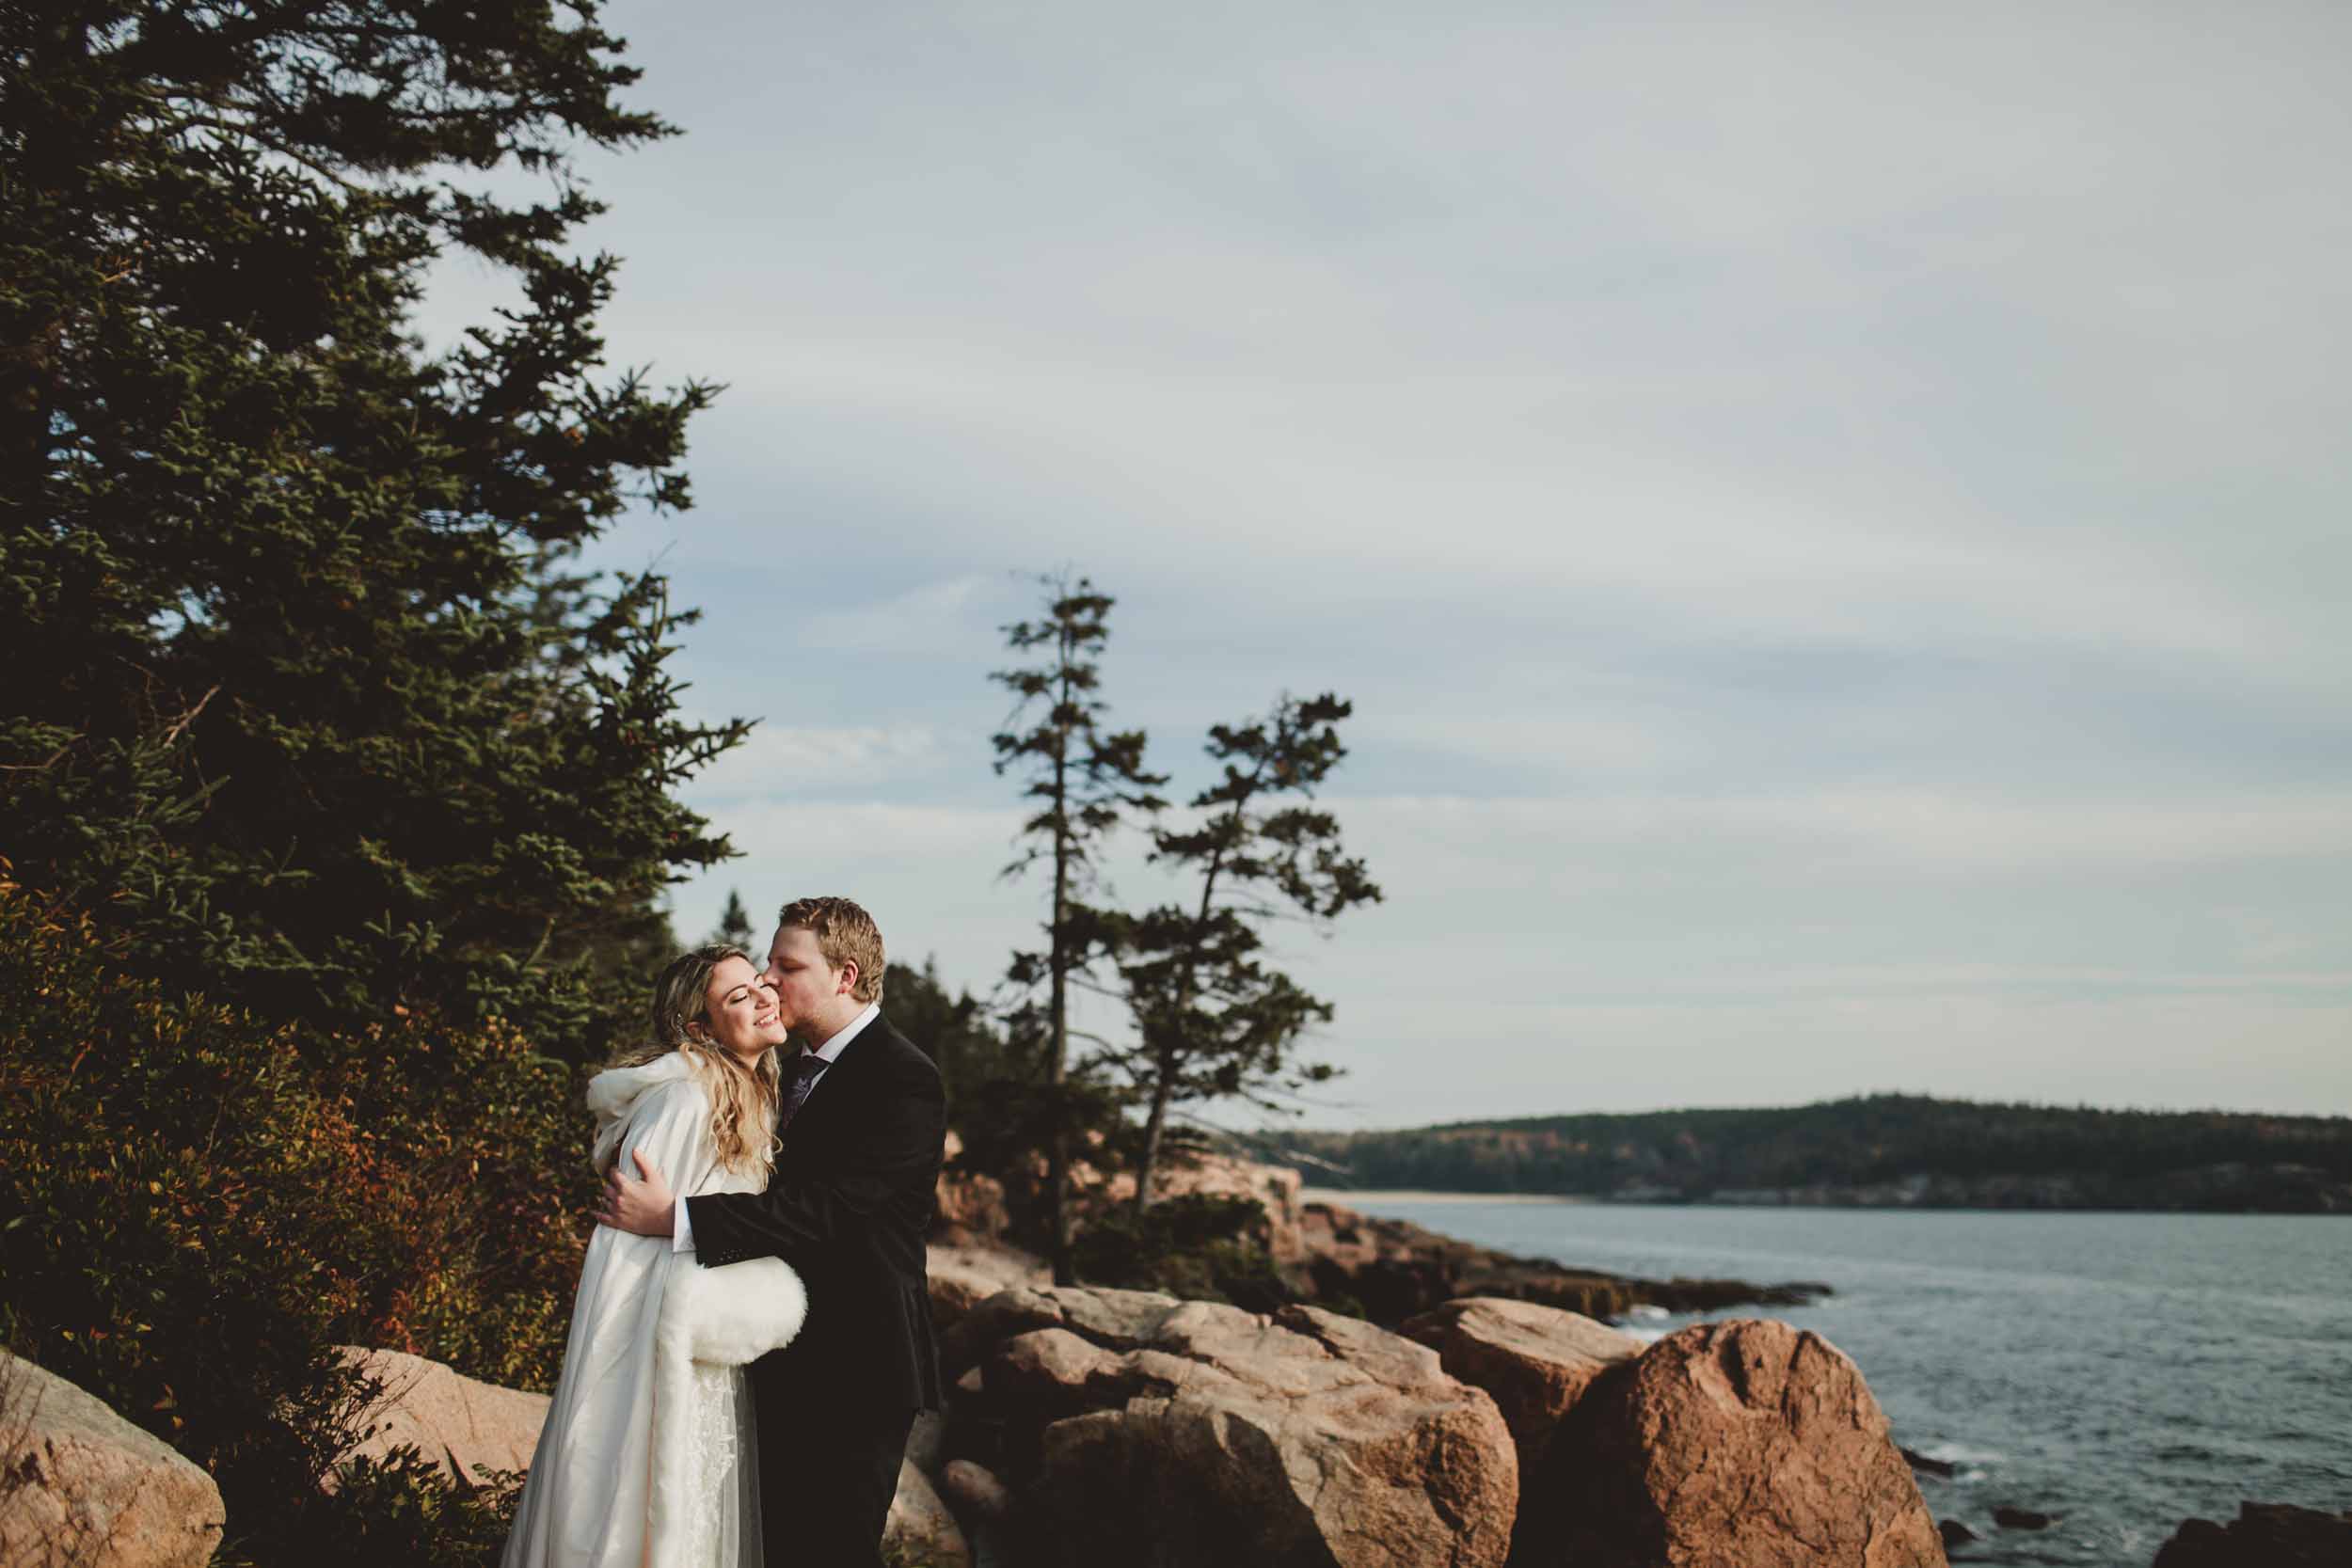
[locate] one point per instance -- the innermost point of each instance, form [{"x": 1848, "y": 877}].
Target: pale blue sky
[{"x": 1833, "y": 518}]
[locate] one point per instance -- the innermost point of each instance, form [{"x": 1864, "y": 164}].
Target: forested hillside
[{"x": 1892, "y": 1149}]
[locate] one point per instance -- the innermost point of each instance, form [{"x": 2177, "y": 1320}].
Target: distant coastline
[{"x": 1877, "y": 1152}]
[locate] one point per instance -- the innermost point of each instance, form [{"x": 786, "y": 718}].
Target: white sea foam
[
  {"x": 1970, "y": 1464},
  {"x": 1961, "y": 1454}
]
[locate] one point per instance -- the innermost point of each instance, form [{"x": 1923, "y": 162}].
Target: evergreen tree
[
  {"x": 304, "y": 694},
  {"x": 957, "y": 1032},
  {"x": 735, "y": 923},
  {"x": 1212, "y": 1019},
  {"x": 1084, "y": 781}
]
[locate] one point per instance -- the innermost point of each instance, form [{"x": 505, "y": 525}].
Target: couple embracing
[{"x": 752, "y": 1338}]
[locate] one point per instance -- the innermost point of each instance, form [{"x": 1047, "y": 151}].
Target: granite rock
[
  {"x": 454, "y": 1420},
  {"x": 1172, "y": 1433},
  {"x": 1535, "y": 1361},
  {"x": 84, "y": 1487},
  {"x": 1745, "y": 1444}
]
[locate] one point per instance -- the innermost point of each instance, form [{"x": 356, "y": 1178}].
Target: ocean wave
[
  {"x": 1963, "y": 1455},
  {"x": 2190, "y": 1454},
  {"x": 1970, "y": 1464}
]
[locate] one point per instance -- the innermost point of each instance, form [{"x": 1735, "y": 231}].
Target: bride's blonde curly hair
[{"x": 743, "y": 1100}]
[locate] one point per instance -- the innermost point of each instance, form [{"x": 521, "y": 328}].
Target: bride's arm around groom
[{"x": 850, "y": 1207}]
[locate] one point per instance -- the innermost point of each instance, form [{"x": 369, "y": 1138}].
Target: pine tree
[
  {"x": 304, "y": 695},
  {"x": 735, "y": 923},
  {"x": 1085, "y": 781},
  {"x": 1212, "y": 1019}
]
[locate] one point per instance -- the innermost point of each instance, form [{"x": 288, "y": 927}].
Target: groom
[{"x": 861, "y": 1128}]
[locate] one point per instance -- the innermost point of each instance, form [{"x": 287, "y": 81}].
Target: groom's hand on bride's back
[{"x": 644, "y": 1204}]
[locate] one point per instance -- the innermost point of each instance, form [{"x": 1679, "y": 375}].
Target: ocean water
[{"x": 2123, "y": 1371}]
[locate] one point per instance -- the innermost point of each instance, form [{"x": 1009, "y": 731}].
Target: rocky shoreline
[
  {"x": 2215, "y": 1189},
  {"x": 1393, "y": 1270},
  {"x": 1384, "y": 1270},
  {"x": 1471, "y": 1409}
]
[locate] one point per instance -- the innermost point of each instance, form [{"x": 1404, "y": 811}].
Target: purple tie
[{"x": 805, "y": 1066}]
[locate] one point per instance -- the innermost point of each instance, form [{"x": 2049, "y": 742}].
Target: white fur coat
[{"x": 610, "y": 1484}]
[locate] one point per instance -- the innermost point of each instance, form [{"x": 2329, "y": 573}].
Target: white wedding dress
[{"x": 649, "y": 1457}]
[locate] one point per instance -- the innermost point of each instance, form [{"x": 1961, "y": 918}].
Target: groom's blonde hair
[{"x": 845, "y": 934}]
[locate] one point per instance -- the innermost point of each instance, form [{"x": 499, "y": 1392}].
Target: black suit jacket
[{"x": 848, "y": 1207}]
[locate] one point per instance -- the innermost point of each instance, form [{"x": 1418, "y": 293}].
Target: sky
[{"x": 1832, "y": 518}]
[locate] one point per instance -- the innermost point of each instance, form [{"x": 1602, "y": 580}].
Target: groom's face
[{"x": 805, "y": 985}]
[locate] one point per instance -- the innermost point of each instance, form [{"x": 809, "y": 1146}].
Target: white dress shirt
[{"x": 681, "y": 1231}]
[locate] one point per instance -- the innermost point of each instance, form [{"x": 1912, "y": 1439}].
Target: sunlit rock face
[
  {"x": 89, "y": 1488},
  {"x": 1160, "y": 1433},
  {"x": 1746, "y": 1444}
]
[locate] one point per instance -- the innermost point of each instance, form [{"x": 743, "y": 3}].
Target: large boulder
[
  {"x": 80, "y": 1484},
  {"x": 920, "y": 1529},
  {"x": 1121, "y": 1320},
  {"x": 1745, "y": 1444},
  {"x": 461, "y": 1424},
  {"x": 449, "y": 1418},
  {"x": 2264, "y": 1535},
  {"x": 985, "y": 1507},
  {"x": 1535, "y": 1361},
  {"x": 974, "y": 1493},
  {"x": 963, "y": 1277},
  {"x": 1054, "y": 1372},
  {"x": 968, "y": 1208},
  {"x": 1165, "y": 1433}
]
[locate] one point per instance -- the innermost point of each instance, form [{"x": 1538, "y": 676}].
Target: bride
[{"x": 646, "y": 1459}]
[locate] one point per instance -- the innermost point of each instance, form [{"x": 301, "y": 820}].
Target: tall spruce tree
[
  {"x": 1084, "y": 781},
  {"x": 735, "y": 923},
  {"x": 1212, "y": 1019},
  {"x": 303, "y": 694}
]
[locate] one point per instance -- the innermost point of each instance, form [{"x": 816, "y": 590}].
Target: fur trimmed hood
[{"x": 614, "y": 1093}]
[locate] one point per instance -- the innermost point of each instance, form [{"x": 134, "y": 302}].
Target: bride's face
[{"x": 739, "y": 1013}]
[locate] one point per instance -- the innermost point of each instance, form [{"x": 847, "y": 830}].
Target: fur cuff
[
  {"x": 726, "y": 1317},
  {"x": 718, "y": 1317}
]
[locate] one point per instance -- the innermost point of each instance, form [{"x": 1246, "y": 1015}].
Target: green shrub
[
  {"x": 194, "y": 1209},
  {"x": 1203, "y": 1248},
  {"x": 402, "y": 1509}
]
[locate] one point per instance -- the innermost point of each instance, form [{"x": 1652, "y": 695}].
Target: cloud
[
  {"x": 928, "y": 618},
  {"x": 2167, "y": 1050},
  {"x": 788, "y": 761},
  {"x": 1831, "y": 519},
  {"x": 1631, "y": 951},
  {"x": 1907, "y": 832}
]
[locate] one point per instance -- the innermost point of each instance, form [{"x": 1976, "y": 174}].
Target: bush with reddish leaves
[{"x": 194, "y": 1209}]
